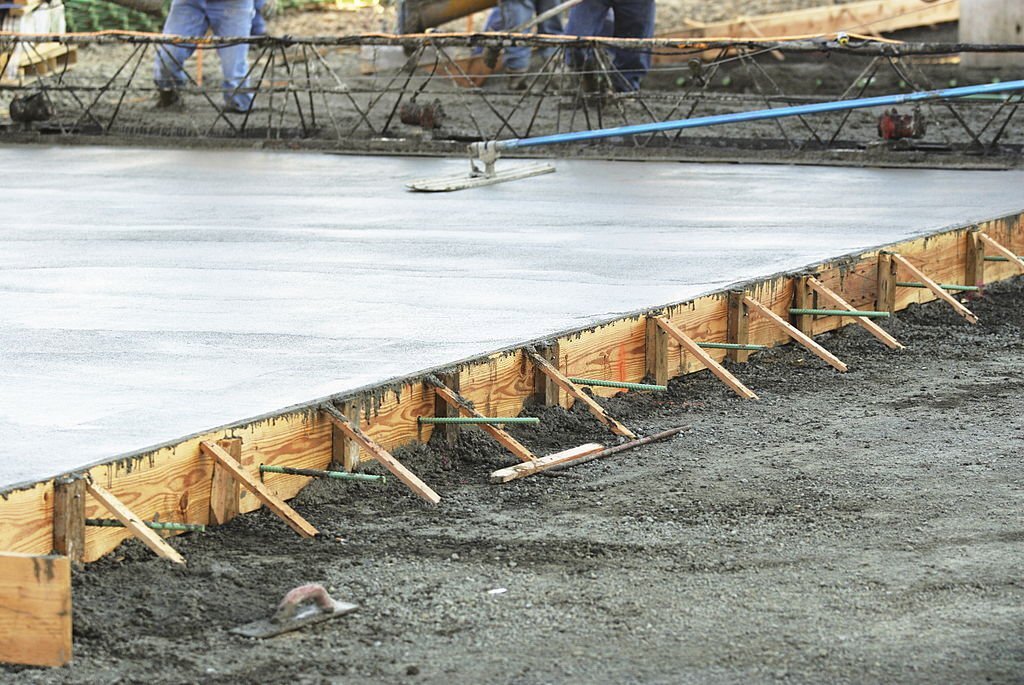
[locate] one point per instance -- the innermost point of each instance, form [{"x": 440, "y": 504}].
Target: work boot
[
  {"x": 170, "y": 100},
  {"x": 517, "y": 79}
]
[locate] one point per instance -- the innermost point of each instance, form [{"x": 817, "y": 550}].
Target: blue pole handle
[{"x": 758, "y": 115}]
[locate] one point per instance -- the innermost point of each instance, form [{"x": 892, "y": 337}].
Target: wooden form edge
[
  {"x": 936, "y": 289},
  {"x": 461, "y": 404},
  {"x": 277, "y": 505},
  {"x": 794, "y": 333},
  {"x": 133, "y": 523},
  {"x": 869, "y": 325},
  {"x": 714, "y": 367},
  {"x": 562, "y": 381},
  {"x": 380, "y": 454}
]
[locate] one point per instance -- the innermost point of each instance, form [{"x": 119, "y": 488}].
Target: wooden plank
[
  {"x": 1013, "y": 258},
  {"x": 544, "y": 463},
  {"x": 69, "y": 518},
  {"x": 35, "y": 609},
  {"x": 656, "y": 351},
  {"x": 869, "y": 325},
  {"x": 380, "y": 454},
  {"x": 224, "y": 489},
  {"x": 133, "y": 523},
  {"x": 797, "y": 335},
  {"x": 462, "y": 406},
  {"x": 344, "y": 450},
  {"x": 936, "y": 289},
  {"x": 257, "y": 488},
  {"x": 714, "y": 367},
  {"x": 573, "y": 390},
  {"x": 738, "y": 331},
  {"x": 974, "y": 269}
]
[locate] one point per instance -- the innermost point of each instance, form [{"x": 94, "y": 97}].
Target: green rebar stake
[
  {"x": 944, "y": 286},
  {"x": 839, "y": 312},
  {"x": 731, "y": 346},
  {"x": 155, "y": 525},
  {"x": 317, "y": 473},
  {"x": 471, "y": 420},
  {"x": 617, "y": 384}
]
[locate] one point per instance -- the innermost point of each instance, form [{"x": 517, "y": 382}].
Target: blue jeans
[
  {"x": 229, "y": 18},
  {"x": 512, "y": 13},
  {"x": 633, "y": 19}
]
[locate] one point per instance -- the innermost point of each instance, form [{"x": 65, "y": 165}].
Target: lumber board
[
  {"x": 720, "y": 372},
  {"x": 400, "y": 472},
  {"x": 133, "y": 523},
  {"x": 544, "y": 463},
  {"x": 869, "y": 325},
  {"x": 795, "y": 333},
  {"x": 35, "y": 609},
  {"x": 461, "y": 406},
  {"x": 572, "y": 389},
  {"x": 253, "y": 484},
  {"x": 935, "y": 288}
]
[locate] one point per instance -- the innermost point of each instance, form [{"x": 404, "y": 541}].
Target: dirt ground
[{"x": 858, "y": 527}]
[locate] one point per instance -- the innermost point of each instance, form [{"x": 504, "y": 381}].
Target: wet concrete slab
[{"x": 150, "y": 294}]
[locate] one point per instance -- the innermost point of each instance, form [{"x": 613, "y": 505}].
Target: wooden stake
[
  {"x": 737, "y": 326},
  {"x": 714, "y": 367},
  {"x": 224, "y": 490},
  {"x": 69, "y": 518},
  {"x": 344, "y": 450},
  {"x": 460, "y": 405},
  {"x": 256, "y": 487},
  {"x": 886, "y": 289},
  {"x": 656, "y": 351},
  {"x": 35, "y": 610},
  {"x": 544, "y": 463},
  {"x": 380, "y": 454},
  {"x": 546, "y": 391},
  {"x": 936, "y": 289},
  {"x": 133, "y": 523},
  {"x": 974, "y": 273},
  {"x": 869, "y": 325},
  {"x": 545, "y": 367},
  {"x": 794, "y": 333},
  {"x": 1009, "y": 254},
  {"x": 444, "y": 408}
]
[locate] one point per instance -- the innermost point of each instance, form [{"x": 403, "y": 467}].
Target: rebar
[
  {"x": 617, "y": 384},
  {"x": 318, "y": 473}
]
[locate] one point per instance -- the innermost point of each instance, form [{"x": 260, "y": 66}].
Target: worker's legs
[
  {"x": 585, "y": 19},
  {"x": 232, "y": 18},
  {"x": 514, "y": 13},
  {"x": 633, "y": 19},
  {"x": 259, "y": 24},
  {"x": 185, "y": 18}
]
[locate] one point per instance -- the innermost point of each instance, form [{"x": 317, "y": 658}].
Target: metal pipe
[
  {"x": 730, "y": 346},
  {"x": 756, "y": 115},
  {"x": 617, "y": 384},
  {"x": 469, "y": 420},
  {"x": 945, "y": 286},
  {"x": 839, "y": 312},
  {"x": 155, "y": 525},
  {"x": 317, "y": 473}
]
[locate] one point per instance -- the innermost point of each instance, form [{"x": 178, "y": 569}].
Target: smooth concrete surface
[{"x": 150, "y": 294}]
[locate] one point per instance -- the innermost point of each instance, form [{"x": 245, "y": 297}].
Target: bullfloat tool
[{"x": 484, "y": 155}]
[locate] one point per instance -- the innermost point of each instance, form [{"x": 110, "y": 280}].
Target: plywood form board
[
  {"x": 35, "y": 609},
  {"x": 174, "y": 483}
]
